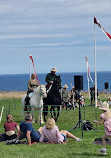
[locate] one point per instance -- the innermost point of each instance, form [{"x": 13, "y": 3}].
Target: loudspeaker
[
  {"x": 106, "y": 85},
  {"x": 78, "y": 82}
]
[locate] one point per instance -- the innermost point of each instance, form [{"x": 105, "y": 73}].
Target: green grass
[{"x": 67, "y": 120}]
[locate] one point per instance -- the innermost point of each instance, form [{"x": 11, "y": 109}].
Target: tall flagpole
[{"x": 95, "y": 66}]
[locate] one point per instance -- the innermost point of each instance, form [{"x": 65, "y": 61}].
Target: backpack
[{"x": 87, "y": 125}]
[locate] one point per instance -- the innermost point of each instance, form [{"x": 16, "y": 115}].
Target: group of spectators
[
  {"x": 49, "y": 133},
  {"x": 71, "y": 98}
]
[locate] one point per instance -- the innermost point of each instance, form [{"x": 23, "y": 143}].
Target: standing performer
[
  {"x": 92, "y": 92},
  {"x": 105, "y": 118},
  {"x": 50, "y": 77},
  {"x": 65, "y": 96}
]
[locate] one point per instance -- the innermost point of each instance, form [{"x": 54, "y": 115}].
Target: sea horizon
[
  {"x": 49, "y": 72},
  {"x": 18, "y": 82}
]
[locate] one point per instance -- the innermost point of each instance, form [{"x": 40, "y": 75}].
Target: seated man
[
  {"x": 50, "y": 77},
  {"x": 27, "y": 131}
]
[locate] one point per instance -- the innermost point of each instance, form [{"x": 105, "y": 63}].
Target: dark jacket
[{"x": 50, "y": 77}]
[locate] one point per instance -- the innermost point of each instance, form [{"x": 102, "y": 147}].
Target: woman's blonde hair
[
  {"x": 9, "y": 118},
  {"x": 50, "y": 123}
]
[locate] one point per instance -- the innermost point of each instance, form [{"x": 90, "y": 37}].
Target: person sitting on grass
[
  {"x": 10, "y": 128},
  {"x": 27, "y": 131},
  {"x": 105, "y": 118},
  {"x": 51, "y": 132}
]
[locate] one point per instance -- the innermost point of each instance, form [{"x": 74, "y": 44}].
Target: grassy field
[{"x": 67, "y": 120}]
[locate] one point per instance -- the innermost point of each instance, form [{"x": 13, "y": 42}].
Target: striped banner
[
  {"x": 99, "y": 25},
  {"x": 34, "y": 67}
]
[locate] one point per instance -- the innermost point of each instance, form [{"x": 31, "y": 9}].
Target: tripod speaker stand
[
  {"x": 79, "y": 122},
  {"x": 78, "y": 83}
]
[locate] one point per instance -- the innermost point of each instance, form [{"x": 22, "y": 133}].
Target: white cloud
[
  {"x": 21, "y": 36},
  {"x": 45, "y": 45}
]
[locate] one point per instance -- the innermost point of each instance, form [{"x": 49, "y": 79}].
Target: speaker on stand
[
  {"x": 78, "y": 84},
  {"x": 86, "y": 125},
  {"x": 106, "y": 86}
]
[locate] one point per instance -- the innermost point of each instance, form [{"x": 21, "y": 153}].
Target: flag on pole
[
  {"x": 34, "y": 67},
  {"x": 88, "y": 76},
  {"x": 88, "y": 72},
  {"x": 99, "y": 25}
]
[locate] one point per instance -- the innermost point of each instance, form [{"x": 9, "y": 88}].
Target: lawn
[{"x": 67, "y": 120}]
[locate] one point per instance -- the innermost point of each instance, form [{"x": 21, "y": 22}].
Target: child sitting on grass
[
  {"x": 51, "y": 132},
  {"x": 105, "y": 118}
]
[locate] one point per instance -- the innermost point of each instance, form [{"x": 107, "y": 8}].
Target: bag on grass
[
  {"x": 87, "y": 125},
  {"x": 100, "y": 139}
]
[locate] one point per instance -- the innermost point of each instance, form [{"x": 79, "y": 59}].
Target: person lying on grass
[
  {"x": 51, "y": 132},
  {"x": 105, "y": 118},
  {"x": 27, "y": 131}
]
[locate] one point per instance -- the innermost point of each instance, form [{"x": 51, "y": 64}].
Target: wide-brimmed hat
[
  {"x": 104, "y": 106},
  {"x": 65, "y": 86},
  {"x": 54, "y": 69}
]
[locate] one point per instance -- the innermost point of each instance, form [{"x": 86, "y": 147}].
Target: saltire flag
[
  {"x": 99, "y": 25},
  {"x": 88, "y": 76},
  {"x": 34, "y": 67}
]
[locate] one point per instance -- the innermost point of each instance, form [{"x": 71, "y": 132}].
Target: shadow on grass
[{"x": 85, "y": 154}]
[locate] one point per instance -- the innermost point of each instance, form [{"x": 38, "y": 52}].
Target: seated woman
[
  {"x": 32, "y": 84},
  {"x": 51, "y": 132},
  {"x": 10, "y": 128}
]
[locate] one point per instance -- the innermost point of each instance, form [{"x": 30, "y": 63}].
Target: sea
[{"x": 18, "y": 82}]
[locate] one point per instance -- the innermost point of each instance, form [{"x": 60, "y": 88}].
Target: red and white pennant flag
[
  {"x": 34, "y": 67},
  {"x": 88, "y": 72},
  {"x": 99, "y": 25},
  {"x": 88, "y": 76}
]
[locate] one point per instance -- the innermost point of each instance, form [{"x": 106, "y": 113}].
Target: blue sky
[{"x": 58, "y": 33}]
